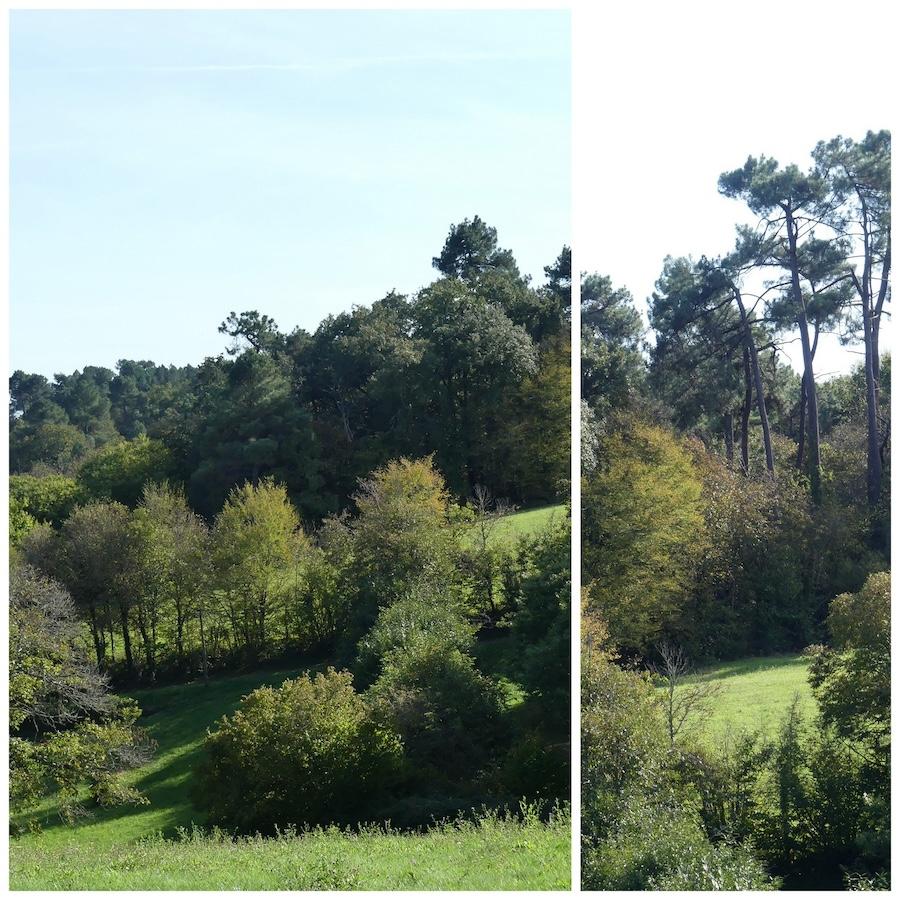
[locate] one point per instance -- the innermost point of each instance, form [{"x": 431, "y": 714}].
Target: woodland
[{"x": 341, "y": 504}]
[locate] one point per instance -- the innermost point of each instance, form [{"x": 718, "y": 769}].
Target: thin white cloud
[{"x": 336, "y": 65}]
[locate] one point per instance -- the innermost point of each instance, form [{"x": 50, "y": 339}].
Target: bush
[
  {"x": 308, "y": 752},
  {"x": 68, "y": 733},
  {"x": 411, "y": 625},
  {"x": 542, "y": 621},
  {"x": 624, "y": 743},
  {"x": 660, "y": 848},
  {"x": 535, "y": 771},
  {"x": 445, "y": 710}
]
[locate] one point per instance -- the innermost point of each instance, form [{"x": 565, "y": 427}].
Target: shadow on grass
[
  {"x": 178, "y": 717},
  {"x": 740, "y": 667}
]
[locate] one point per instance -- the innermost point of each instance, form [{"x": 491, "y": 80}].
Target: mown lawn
[{"x": 755, "y": 694}]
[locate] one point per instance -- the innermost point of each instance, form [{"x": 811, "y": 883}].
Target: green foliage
[
  {"x": 542, "y": 621},
  {"x": 49, "y": 498},
  {"x": 623, "y": 739},
  {"x": 658, "y": 848},
  {"x": 56, "y": 445},
  {"x": 445, "y": 711},
  {"x": 852, "y": 679},
  {"x": 21, "y": 522},
  {"x": 611, "y": 330},
  {"x": 308, "y": 752},
  {"x": 256, "y": 542},
  {"x": 642, "y": 530},
  {"x": 248, "y": 425},
  {"x": 119, "y": 471},
  {"x": 749, "y": 592},
  {"x": 405, "y": 532},
  {"x": 67, "y": 733},
  {"x": 412, "y": 625},
  {"x": 470, "y": 249}
]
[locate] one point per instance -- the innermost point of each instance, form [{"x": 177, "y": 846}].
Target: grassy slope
[
  {"x": 526, "y": 521},
  {"x": 92, "y": 855},
  {"x": 123, "y": 848},
  {"x": 177, "y": 718},
  {"x": 755, "y": 694}
]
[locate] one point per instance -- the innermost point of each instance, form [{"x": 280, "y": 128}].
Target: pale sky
[
  {"x": 695, "y": 90},
  {"x": 168, "y": 167}
]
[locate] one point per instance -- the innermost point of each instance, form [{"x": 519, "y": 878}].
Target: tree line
[
  {"x": 473, "y": 368},
  {"x": 392, "y": 595}
]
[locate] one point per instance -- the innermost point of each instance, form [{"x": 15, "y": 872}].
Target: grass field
[
  {"x": 754, "y": 694},
  {"x": 526, "y": 521},
  {"x": 491, "y": 855}
]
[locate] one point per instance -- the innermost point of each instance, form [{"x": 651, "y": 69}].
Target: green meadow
[{"x": 754, "y": 694}]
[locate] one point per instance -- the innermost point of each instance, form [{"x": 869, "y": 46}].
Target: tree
[
  {"x": 50, "y": 498},
  {"x": 405, "y": 532},
  {"x": 612, "y": 369},
  {"x": 474, "y": 354},
  {"x": 95, "y": 560},
  {"x": 859, "y": 175},
  {"x": 66, "y": 729},
  {"x": 642, "y": 530},
  {"x": 249, "y": 425},
  {"x": 683, "y": 699},
  {"x": 258, "y": 331},
  {"x": 54, "y": 444},
  {"x": 471, "y": 249},
  {"x": 411, "y": 625},
  {"x": 256, "y": 543},
  {"x": 790, "y": 201},
  {"x": 119, "y": 471},
  {"x": 171, "y": 572}
]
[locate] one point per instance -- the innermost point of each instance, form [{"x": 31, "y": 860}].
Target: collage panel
[
  {"x": 289, "y": 447},
  {"x": 735, "y": 523}
]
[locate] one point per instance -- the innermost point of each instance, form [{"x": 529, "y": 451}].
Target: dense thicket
[{"x": 734, "y": 507}]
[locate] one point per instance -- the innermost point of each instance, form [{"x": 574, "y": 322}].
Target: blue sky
[{"x": 168, "y": 167}]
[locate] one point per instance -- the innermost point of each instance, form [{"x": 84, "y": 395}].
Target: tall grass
[{"x": 493, "y": 852}]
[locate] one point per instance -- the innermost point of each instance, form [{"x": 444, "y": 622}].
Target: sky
[
  {"x": 695, "y": 90},
  {"x": 169, "y": 167}
]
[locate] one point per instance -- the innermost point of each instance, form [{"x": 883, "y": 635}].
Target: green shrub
[
  {"x": 411, "y": 625},
  {"x": 445, "y": 710},
  {"x": 308, "y": 752},
  {"x": 660, "y": 847},
  {"x": 535, "y": 771},
  {"x": 624, "y": 743}
]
